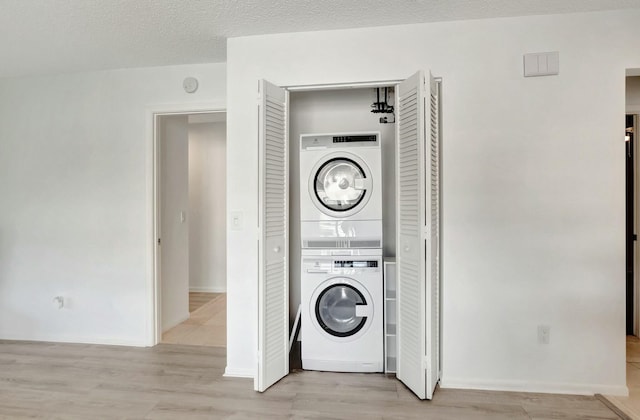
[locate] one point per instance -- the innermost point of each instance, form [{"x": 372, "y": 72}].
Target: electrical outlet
[{"x": 544, "y": 334}]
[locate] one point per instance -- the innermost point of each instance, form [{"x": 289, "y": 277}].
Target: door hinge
[
  {"x": 425, "y": 362},
  {"x": 159, "y": 241}
]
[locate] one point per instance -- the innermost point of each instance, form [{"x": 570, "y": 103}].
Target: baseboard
[
  {"x": 73, "y": 339},
  {"x": 207, "y": 289},
  {"x": 540, "y": 387},
  {"x": 238, "y": 373}
]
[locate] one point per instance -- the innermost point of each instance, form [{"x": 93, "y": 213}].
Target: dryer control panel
[{"x": 325, "y": 141}]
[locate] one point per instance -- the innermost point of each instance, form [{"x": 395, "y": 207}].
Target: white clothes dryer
[
  {"x": 342, "y": 313},
  {"x": 341, "y": 190}
]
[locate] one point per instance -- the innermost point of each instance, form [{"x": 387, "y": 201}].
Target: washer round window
[
  {"x": 339, "y": 184},
  {"x": 336, "y": 310}
]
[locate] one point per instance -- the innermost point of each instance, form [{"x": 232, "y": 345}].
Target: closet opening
[
  {"x": 321, "y": 228},
  {"x": 341, "y": 111}
]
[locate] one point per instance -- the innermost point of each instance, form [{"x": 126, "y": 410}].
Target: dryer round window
[
  {"x": 342, "y": 309},
  {"x": 340, "y": 185}
]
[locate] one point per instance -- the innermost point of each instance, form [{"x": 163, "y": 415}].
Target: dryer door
[
  {"x": 340, "y": 185},
  {"x": 341, "y": 310}
]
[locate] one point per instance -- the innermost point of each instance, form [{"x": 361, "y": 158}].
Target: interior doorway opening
[
  {"x": 630, "y": 405},
  {"x": 190, "y": 225},
  {"x": 632, "y": 190},
  {"x": 630, "y": 223}
]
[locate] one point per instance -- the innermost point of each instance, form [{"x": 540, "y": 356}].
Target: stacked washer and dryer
[{"x": 341, "y": 234}]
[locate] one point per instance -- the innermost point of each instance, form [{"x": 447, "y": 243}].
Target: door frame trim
[
  {"x": 342, "y": 85},
  {"x": 152, "y": 114}
]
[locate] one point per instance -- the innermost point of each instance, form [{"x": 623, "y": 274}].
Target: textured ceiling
[{"x": 54, "y": 36}]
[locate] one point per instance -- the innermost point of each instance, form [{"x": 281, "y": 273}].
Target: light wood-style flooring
[
  {"x": 631, "y": 405},
  {"x": 77, "y": 381},
  {"x": 207, "y": 323},
  {"x": 199, "y": 299}
]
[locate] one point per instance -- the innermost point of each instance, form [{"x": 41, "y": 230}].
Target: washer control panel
[
  {"x": 334, "y": 265},
  {"x": 355, "y": 264}
]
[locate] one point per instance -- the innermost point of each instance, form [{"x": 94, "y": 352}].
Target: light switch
[
  {"x": 553, "y": 63},
  {"x": 237, "y": 222},
  {"x": 530, "y": 64},
  {"x": 541, "y": 64}
]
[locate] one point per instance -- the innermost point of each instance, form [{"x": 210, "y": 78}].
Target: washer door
[
  {"x": 340, "y": 185},
  {"x": 343, "y": 309}
]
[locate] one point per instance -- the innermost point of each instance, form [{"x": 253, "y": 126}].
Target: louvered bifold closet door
[
  {"x": 433, "y": 238},
  {"x": 411, "y": 227},
  {"x": 273, "y": 281}
]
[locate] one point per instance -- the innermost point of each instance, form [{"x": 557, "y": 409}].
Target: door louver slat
[
  {"x": 273, "y": 340},
  {"x": 433, "y": 327},
  {"x": 417, "y": 256},
  {"x": 409, "y": 255}
]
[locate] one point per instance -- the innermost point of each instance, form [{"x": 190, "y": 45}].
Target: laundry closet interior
[
  {"x": 360, "y": 172},
  {"x": 338, "y": 111}
]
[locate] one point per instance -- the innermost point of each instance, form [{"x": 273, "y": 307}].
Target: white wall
[
  {"x": 75, "y": 214},
  {"x": 533, "y": 187},
  {"x": 633, "y": 94},
  {"x": 174, "y": 215},
  {"x": 336, "y": 111},
  {"x": 207, "y": 207}
]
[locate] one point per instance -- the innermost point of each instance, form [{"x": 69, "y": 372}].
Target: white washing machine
[
  {"x": 341, "y": 190},
  {"x": 342, "y": 313}
]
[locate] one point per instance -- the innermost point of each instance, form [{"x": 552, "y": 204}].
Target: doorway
[
  {"x": 190, "y": 220},
  {"x": 630, "y": 235},
  {"x": 631, "y": 405}
]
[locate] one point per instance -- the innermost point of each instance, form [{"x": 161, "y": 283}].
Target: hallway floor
[
  {"x": 631, "y": 405},
  {"x": 207, "y": 325}
]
